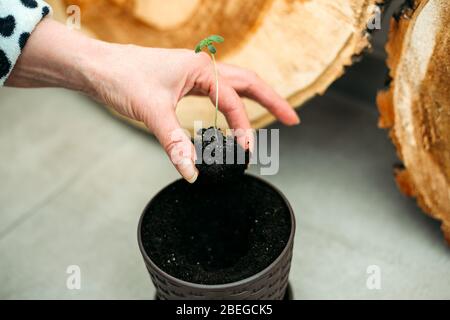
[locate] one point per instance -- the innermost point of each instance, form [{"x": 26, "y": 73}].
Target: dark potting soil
[
  {"x": 220, "y": 159},
  {"x": 215, "y": 234}
]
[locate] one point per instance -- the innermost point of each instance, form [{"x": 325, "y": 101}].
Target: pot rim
[{"x": 229, "y": 284}]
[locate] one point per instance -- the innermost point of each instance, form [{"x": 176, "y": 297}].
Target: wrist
[{"x": 56, "y": 56}]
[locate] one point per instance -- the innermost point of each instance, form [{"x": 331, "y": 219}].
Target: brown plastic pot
[{"x": 269, "y": 284}]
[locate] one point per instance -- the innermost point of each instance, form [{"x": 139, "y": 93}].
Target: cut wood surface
[
  {"x": 416, "y": 107},
  {"x": 298, "y": 46}
]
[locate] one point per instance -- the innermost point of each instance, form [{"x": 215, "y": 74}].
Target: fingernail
[
  {"x": 188, "y": 170},
  {"x": 246, "y": 140},
  {"x": 250, "y": 140},
  {"x": 193, "y": 177},
  {"x": 294, "y": 121},
  {"x": 297, "y": 117}
]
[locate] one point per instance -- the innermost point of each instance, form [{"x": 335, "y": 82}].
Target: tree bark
[{"x": 416, "y": 106}]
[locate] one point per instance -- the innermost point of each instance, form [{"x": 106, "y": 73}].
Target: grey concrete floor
[{"x": 74, "y": 180}]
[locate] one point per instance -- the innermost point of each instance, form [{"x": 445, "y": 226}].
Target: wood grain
[{"x": 416, "y": 107}]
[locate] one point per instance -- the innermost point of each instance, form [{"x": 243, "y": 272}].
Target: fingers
[
  {"x": 231, "y": 105},
  {"x": 175, "y": 142},
  {"x": 248, "y": 84}
]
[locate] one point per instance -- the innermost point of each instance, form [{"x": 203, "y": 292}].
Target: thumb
[{"x": 177, "y": 144}]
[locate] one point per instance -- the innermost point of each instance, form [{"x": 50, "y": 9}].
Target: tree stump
[
  {"x": 298, "y": 46},
  {"x": 416, "y": 106}
]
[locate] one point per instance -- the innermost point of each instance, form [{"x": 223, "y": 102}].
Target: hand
[
  {"x": 145, "y": 84},
  {"x": 148, "y": 83}
]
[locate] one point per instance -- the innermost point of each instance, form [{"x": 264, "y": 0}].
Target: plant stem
[{"x": 217, "y": 89}]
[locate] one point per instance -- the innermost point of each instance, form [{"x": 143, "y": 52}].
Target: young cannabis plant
[{"x": 208, "y": 43}]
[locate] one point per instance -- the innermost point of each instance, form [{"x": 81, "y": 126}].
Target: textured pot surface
[{"x": 268, "y": 284}]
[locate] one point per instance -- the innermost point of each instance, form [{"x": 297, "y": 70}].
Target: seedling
[{"x": 208, "y": 43}]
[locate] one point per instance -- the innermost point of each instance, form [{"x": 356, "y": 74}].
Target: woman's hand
[
  {"x": 148, "y": 83},
  {"x": 144, "y": 84}
]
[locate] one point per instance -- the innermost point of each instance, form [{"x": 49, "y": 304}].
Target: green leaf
[
  {"x": 201, "y": 45},
  {"x": 212, "y": 49},
  {"x": 208, "y": 42},
  {"x": 216, "y": 38}
]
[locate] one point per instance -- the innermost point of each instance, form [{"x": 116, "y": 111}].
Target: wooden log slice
[
  {"x": 416, "y": 107},
  {"x": 298, "y": 46}
]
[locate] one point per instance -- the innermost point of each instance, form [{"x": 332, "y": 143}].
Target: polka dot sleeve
[{"x": 18, "y": 18}]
